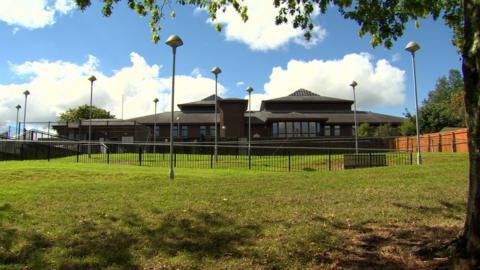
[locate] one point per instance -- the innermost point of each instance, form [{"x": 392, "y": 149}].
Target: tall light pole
[
  {"x": 412, "y": 47},
  {"x": 178, "y": 126},
  {"x": 91, "y": 79},
  {"x": 353, "y": 85},
  {"x": 26, "y": 93},
  {"x": 155, "y": 101},
  {"x": 17, "y": 130},
  {"x": 249, "y": 90},
  {"x": 216, "y": 71},
  {"x": 173, "y": 41}
]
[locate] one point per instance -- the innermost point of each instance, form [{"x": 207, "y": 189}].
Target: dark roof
[
  {"x": 330, "y": 117},
  {"x": 259, "y": 117},
  {"x": 190, "y": 118},
  {"x": 302, "y": 95}
]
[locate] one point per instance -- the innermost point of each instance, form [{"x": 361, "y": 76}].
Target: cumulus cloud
[
  {"x": 379, "y": 83},
  {"x": 260, "y": 32},
  {"x": 32, "y": 14},
  {"x": 56, "y": 86}
]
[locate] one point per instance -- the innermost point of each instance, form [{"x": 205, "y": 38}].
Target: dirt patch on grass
[{"x": 395, "y": 247}]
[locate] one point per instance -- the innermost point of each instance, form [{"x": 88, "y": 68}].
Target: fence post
[
  {"x": 21, "y": 152},
  {"x": 411, "y": 157},
  {"x": 370, "y": 159},
  {"x": 175, "y": 159},
  {"x": 140, "y": 155},
  {"x": 211, "y": 159},
  {"x": 454, "y": 143},
  {"x": 289, "y": 162},
  {"x": 108, "y": 155},
  {"x": 78, "y": 151},
  {"x": 249, "y": 160},
  {"x": 48, "y": 152},
  {"x": 329, "y": 160}
]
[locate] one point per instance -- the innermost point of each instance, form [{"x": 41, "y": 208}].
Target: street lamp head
[
  {"x": 178, "y": 118},
  {"x": 353, "y": 84},
  {"x": 174, "y": 41},
  {"x": 26, "y": 93},
  {"x": 92, "y": 78},
  {"x": 18, "y": 107},
  {"x": 216, "y": 71},
  {"x": 249, "y": 89},
  {"x": 155, "y": 100},
  {"x": 412, "y": 47}
]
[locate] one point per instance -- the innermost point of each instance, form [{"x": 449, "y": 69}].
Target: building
[{"x": 300, "y": 114}]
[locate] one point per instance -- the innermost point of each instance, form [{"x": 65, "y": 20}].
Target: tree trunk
[{"x": 469, "y": 244}]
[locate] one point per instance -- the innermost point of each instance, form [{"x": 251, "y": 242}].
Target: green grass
[{"x": 64, "y": 215}]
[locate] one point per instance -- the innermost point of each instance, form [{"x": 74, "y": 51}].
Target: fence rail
[{"x": 263, "y": 158}]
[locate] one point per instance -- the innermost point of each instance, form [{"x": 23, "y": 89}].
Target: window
[
  {"x": 275, "y": 129},
  {"x": 212, "y": 131},
  {"x": 304, "y": 129},
  {"x": 203, "y": 131},
  {"x": 281, "y": 129},
  {"x": 296, "y": 129},
  {"x": 157, "y": 131},
  {"x": 314, "y": 129},
  {"x": 175, "y": 131},
  {"x": 326, "y": 131},
  {"x": 337, "y": 130},
  {"x": 289, "y": 127},
  {"x": 184, "y": 131},
  {"x": 353, "y": 130}
]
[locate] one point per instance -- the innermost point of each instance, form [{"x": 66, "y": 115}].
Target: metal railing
[{"x": 262, "y": 158}]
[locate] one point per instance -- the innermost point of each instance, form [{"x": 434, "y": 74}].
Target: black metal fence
[{"x": 190, "y": 155}]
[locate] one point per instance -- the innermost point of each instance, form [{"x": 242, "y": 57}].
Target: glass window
[
  {"x": 212, "y": 131},
  {"x": 175, "y": 131},
  {"x": 203, "y": 131},
  {"x": 275, "y": 129},
  {"x": 353, "y": 130},
  {"x": 289, "y": 127},
  {"x": 281, "y": 129},
  {"x": 326, "y": 130},
  {"x": 296, "y": 129},
  {"x": 157, "y": 131},
  {"x": 313, "y": 128},
  {"x": 337, "y": 130},
  {"x": 305, "y": 129},
  {"x": 184, "y": 131}
]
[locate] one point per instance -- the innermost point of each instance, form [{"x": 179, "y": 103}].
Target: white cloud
[
  {"x": 33, "y": 14},
  {"x": 260, "y": 31},
  {"x": 379, "y": 84},
  {"x": 240, "y": 83},
  {"x": 59, "y": 85},
  {"x": 396, "y": 57}
]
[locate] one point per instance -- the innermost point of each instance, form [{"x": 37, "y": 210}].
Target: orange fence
[{"x": 447, "y": 141}]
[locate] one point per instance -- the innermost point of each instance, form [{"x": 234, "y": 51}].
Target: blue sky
[{"x": 50, "y": 48}]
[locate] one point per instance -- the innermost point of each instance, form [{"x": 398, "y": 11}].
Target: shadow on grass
[
  {"x": 108, "y": 242},
  {"x": 448, "y": 210}
]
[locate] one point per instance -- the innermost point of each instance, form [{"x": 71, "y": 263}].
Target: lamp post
[
  {"x": 26, "y": 93},
  {"x": 155, "y": 101},
  {"x": 216, "y": 71},
  {"x": 17, "y": 129},
  {"x": 173, "y": 41},
  {"x": 91, "y": 79},
  {"x": 353, "y": 85},
  {"x": 249, "y": 90},
  {"x": 178, "y": 126},
  {"x": 412, "y": 47}
]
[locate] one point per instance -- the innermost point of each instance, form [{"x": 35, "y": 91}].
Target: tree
[
  {"x": 385, "y": 130},
  {"x": 83, "y": 112},
  {"x": 444, "y": 106},
  {"x": 385, "y": 21},
  {"x": 409, "y": 127},
  {"x": 364, "y": 130}
]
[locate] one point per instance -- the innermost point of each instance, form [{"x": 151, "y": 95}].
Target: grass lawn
[{"x": 63, "y": 215}]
